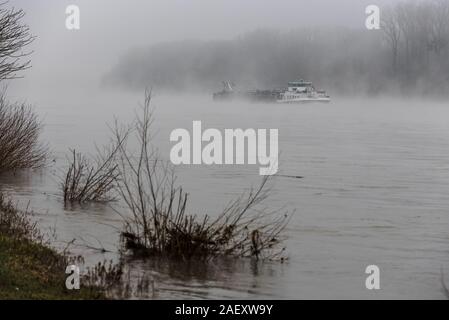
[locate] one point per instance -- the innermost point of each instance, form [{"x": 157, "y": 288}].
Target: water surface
[{"x": 376, "y": 177}]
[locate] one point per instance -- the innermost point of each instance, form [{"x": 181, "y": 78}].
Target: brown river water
[{"x": 375, "y": 191}]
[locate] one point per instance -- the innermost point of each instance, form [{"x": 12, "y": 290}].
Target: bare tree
[
  {"x": 392, "y": 31},
  {"x": 440, "y": 26},
  {"x": 14, "y": 37}
]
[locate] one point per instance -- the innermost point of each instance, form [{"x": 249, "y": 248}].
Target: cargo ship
[{"x": 298, "y": 91}]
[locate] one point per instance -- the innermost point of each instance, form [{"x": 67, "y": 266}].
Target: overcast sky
[{"x": 109, "y": 28}]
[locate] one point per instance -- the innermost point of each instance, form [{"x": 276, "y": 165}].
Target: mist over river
[{"x": 374, "y": 191}]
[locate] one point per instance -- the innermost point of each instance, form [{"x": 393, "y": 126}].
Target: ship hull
[{"x": 303, "y": 100}]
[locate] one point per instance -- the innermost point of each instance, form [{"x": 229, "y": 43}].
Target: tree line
[{"x": 408, "y": 55}]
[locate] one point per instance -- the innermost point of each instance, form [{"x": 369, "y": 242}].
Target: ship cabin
[{"x": 300, "y": 86}]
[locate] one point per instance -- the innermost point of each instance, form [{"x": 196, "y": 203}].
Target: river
[{"x": 374, "y": 192}]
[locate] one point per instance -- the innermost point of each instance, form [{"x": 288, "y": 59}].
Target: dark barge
[{"x": 229, "y": 93}]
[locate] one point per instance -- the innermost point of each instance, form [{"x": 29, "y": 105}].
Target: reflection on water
[
  {"x": 374, "y": 191},
  {"x": 229, "y": 278}
]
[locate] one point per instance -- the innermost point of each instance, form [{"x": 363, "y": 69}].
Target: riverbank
[{"x": 29, "y": 269}]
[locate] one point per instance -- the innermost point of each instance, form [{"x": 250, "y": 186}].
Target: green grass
[
  {"x": 29, "y": 269},
  {"x": 33, "y": 271}
]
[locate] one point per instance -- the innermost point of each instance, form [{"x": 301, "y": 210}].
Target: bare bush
[
  {"x": 116, "y": 281},
  {"x": 159, "y": 223},
  {"x": 87, "y": 182},
  {"x": 14, "y": 36},
  {"x": 19, "y": 137},
  {"x": 19, "y": 126},
  {"x": 17, "y": 224},
  {"x": 108, "y": 276}
]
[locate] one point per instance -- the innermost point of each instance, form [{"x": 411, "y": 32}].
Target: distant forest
[{"x": 408, "y": 55}]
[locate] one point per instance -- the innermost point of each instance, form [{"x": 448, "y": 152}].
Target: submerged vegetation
[
  {"x": 85, "y": 182},
  {"x": 166, "y": 229},
  {"x": 16, "y": 224},
  {"x": 156, "y": 221},
  {"x": 159, "y": 223}
]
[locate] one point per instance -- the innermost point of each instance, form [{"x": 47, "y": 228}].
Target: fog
[
  {"x": 367, "y": 178},
  {"x": 406, "y": 56},
  {"x": 116, "y": 36}
]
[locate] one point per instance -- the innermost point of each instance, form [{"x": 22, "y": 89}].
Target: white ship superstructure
[{"x": 302, "y": 91}]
